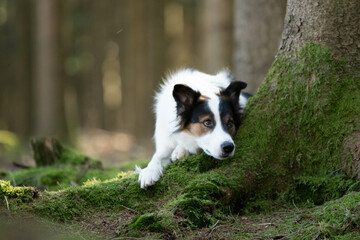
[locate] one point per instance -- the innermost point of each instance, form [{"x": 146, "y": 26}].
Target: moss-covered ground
[{"x": 291, "y": 177}]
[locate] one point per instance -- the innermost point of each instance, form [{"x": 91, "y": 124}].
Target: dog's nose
[{"x": 227, "y": 147}]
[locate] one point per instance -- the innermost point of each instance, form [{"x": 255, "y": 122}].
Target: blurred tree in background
[{"x": 86, "y": 70}]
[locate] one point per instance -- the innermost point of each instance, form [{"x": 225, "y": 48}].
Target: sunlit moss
[
  {"x": 20, "y": 194},
  {"x": 54, "y": 178}
]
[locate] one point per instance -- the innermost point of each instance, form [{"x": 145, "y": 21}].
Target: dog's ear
[
  {"x": 233, "y": 90},
  {"x": 185, "y": 97}
]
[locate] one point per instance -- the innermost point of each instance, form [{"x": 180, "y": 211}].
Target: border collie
[{"x": 194, "y": 111}]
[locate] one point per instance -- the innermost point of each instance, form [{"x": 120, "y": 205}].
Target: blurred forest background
[{"x": 86, "y": 70}]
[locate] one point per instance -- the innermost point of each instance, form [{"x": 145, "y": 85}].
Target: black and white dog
[{"x": 194, "y": 111}]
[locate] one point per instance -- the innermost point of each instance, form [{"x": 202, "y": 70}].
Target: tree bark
[
  {"x": 334, "y": 24},
  {"x": 257, "y": 33}
]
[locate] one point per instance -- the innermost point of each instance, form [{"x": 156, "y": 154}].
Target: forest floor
[
  {"x": 295, "y": 223},
  {"x": 335, "y": 219}
]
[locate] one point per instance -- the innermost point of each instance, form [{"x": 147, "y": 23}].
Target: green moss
[
  {"x": 111, "y": 195},
  {"x": 20, "y": 194},
  {"x": 296, "y": 124},
  {"x": 146, "y": 221},
  {"x": 70, "y": 156},
  {"x": 319, "y": 189},
  {"x": 337, "y": 219},
  {"x": 54, "y": 178},
  {"x": 50, "y": 152},
  {"x": 339, "y": 216}
]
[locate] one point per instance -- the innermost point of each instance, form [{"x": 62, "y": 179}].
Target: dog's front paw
[
  {"x": 149, "y": 176},
  {"x": 179, "y": 153}
]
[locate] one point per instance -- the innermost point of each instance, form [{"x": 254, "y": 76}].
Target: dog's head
[{"x": 213, "y": 121}]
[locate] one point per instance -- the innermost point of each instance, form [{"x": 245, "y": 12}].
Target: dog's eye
[
  {"x": 230, "y": 124},
  {"x": 208, "y": 123}
]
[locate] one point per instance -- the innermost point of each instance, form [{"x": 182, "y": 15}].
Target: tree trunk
[
  {"x": 15, "y": 104},
  {"x": 140, "y": 69},
  {"x": 303, "y": 122},
  {"x": 136, "y": 83},
  {"x": 334, "y": 24},
  {"x": 93, "y": 96},
  {"x": 217, "y": 35},
  {"x": 48, "y": 89},
  {"x": 257, "y": 33}
]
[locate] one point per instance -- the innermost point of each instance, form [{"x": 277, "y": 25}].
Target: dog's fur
[{"x": 194, "y": 111}]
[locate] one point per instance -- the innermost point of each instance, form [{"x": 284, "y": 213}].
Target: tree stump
[{"x": 46, "y": 151}]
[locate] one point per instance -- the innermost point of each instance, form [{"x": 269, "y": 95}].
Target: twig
[
  {"x": 213, "y": 228},
  {"x": 264, "y": 224},
  {"x": 7, "y": 203},
  {"x": 132, "y": 210}
]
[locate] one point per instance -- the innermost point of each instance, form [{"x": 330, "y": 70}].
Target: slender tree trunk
[
  {"x": 217, "y": 35},
  {"x": 48, "y": 89},
  {"x": 137, "y": 89},
  {"x": 93, "y": 96},
  {"x": 258, "y": 25},
  {"x": 26, "y": 76},
  {"x": 15, "y": 103}
]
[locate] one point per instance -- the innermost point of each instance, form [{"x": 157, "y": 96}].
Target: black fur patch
[
  {"x": 194, "y": 114},
  {"x": 187, "y": 101},
  {"x": 200, "y": 109},
  {"x": 230, "y": 101},
  {"x": 229, "y": 112}
]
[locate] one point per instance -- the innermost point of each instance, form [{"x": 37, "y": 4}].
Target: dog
[{"x": 194, "y": 112}]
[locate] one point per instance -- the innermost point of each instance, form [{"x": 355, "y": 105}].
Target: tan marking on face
[{"x": 198, "y": 129}]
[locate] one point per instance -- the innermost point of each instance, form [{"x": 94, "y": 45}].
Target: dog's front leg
[
  {"x": 179, "y": 153},
  {"x": 152, "y": 173}
]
